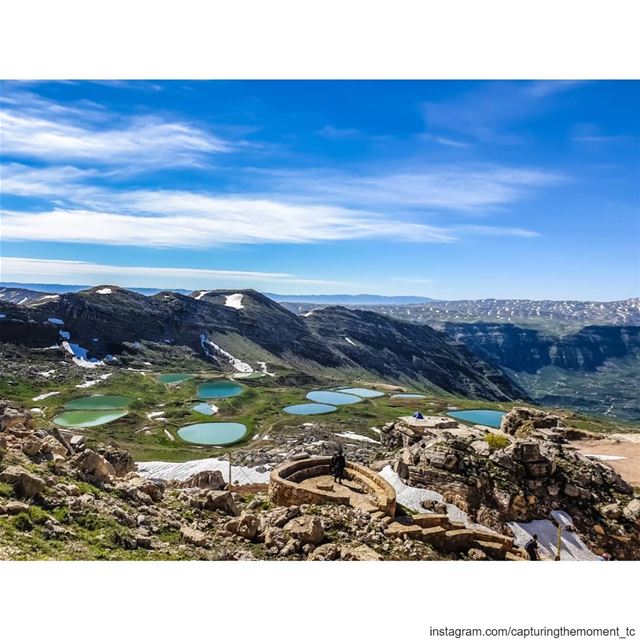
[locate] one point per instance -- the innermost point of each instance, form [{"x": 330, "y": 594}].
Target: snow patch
[
  {"x": 236, "y": 363},
  {"x": 411, "y": 497},
  {"x": 350, "y": 341},
  {"x": 155, "y": 414},
  {"x": 55, "y": 320},
  {"x": 184, "y": 470},
  {"x": 349, "y": 435},
  {"x": 36, "y": 410},
  {"x": 571, "y": 548},
  {"x": 234, "y": 301},
  {"x": 200, "y": 295},
  {"x": 104, "y": 291},
  {"x": 46, "y": 395},
  {"x": 46, "y": 374},
  {"x": 65, "y": 335},
  {"x": 263, "y": 367}
]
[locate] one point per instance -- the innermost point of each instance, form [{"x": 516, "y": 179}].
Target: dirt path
[{"x": 627, "y": 446}]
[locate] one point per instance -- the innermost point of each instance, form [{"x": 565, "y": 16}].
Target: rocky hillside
[
  {"x": 238, "y": 330},
  {"x": 61, "y": 500}
]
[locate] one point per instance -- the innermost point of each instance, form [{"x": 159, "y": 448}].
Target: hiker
[
  {"x": 338, "y": 464},
  {"x": 532, "y": 547}
]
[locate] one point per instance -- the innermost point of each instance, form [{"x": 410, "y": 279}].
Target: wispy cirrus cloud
[
  {"x": 302, "y": 209},
  {"x": 93, "y": 273},
  {"x": 85, "y": 132},
  {"x": 491, "y": 112}
]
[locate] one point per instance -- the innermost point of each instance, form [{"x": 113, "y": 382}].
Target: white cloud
[
  {"x": 92, "y": 273},
  {"x": 465, "y": 188},
  {"x": 84, "y": 132},
  {"x": 209, "y": 221}
]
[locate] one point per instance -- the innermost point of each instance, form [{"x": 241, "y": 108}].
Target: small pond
[
  {"x": 219, "y": 389},
  {"x": 204, "y": 408},
  {"x": 332, "y": 397},
  {"x": 213, "y": 432},
  {"x": 88, "y": 418},
  {"x": 362, "y": 393},
  {"x": 408, "y": 395},
  {"x": 174, "y": 378},
  {"x": 485, "y": 417},
  {"x": 310, "y": 409},
  {"x": 98, "y": 403}
]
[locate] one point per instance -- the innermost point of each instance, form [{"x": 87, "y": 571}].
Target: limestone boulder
[
  {"x": 204, "y": 480},
  {"x": 25, "y": 484},
  {"x": 245, "y": 525},
  {"x": 632, "y": 510},
  {"x": 53, "y": 447},
  {"x": 220, "y": 501},
  {"x": 194, "y": 537},
  {"x": 121, "y": 460},
  {"x": 307, "y": 529},
  {"x": 523, "y": 417},
  {"x": 94, "y": 467},
  {"x": 360, "y": 552}
]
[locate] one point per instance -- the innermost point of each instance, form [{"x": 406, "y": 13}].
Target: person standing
[
  {"x": 532, "y": 547},
  {"x": 338, "y": 464}
]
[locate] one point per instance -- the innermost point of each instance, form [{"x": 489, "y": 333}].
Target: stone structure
[{"x": 308, "y": 481}]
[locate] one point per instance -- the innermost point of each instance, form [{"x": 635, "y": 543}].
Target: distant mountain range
[{"x": 13, "y": 290}]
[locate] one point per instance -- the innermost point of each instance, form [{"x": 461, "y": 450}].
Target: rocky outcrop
[
  {"x": 525, "y": 480},
  {"x": 521, "y": 420}
]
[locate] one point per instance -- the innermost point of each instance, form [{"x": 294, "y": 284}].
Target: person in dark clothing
[
  {"x": 532, "y": 547},
  {"x": 338, "y": 463}
]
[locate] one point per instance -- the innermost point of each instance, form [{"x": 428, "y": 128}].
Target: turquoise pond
[
  {"x": 204, "y": 408},
  {"x": 174, "y": 378},
  {"x": 218, "y": 389},
  {"x": 485, "y": 417},
  {"x": 87, "y": 418},
  {"x": 98, "y": 403},
  {"x": 408, "y": 395},
  {"x": 309, "y": 409},
  {"x": 362, "y": 393},
  {"x": 332, "y": 397},
  {"x": 213, "y": 432}
]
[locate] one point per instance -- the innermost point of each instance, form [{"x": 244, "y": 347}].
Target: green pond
[
  {"x": 98, "y": 403},
  {"x": 362, "y": 393},
  {"x": 174, "y": 378},
  {"x": 88, "y": 418},
  {"x": 332, "y": 397},
  {"x": 218, "y": 389},
  {"x": 485, "y": 417},
  {"x": 213, "y": 432},
  {"x": 309, "y": 409}
]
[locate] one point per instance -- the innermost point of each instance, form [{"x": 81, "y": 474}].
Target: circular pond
[
  {"x": 98, "y": 403},
  {"x": 332, "y": 397},
  {"x": 213, "y": 432},
  {"x": 309, "y": 409},
  {"x": 485, "y": 417},
  {"x": 174, "y": 378},
  {"x": 362, "y": 393},
  {"x": 218, "y": 389},
  {"x": 408, "y": 395},
  {"x": 87, "y": 418},
  {"x": 204, "y": 408}
]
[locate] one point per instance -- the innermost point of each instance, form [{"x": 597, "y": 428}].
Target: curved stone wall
[{"x": 285, "y": 488}]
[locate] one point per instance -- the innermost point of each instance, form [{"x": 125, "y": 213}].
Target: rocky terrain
[
  {"x": 61, "y": 499},
  {"x": 524, "y": 473},
  {"x": 238, "y": 330}
]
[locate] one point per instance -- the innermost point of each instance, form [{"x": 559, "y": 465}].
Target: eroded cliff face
[{"x": 529, "y": 350}]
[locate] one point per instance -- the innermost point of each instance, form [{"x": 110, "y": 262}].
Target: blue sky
[{"x": 445, "y": 189}]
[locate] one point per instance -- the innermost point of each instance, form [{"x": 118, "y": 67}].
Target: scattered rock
[{"x": 25, "y": 484}]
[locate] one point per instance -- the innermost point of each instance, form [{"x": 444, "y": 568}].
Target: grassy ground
[{"x": 259, "y": 407}]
